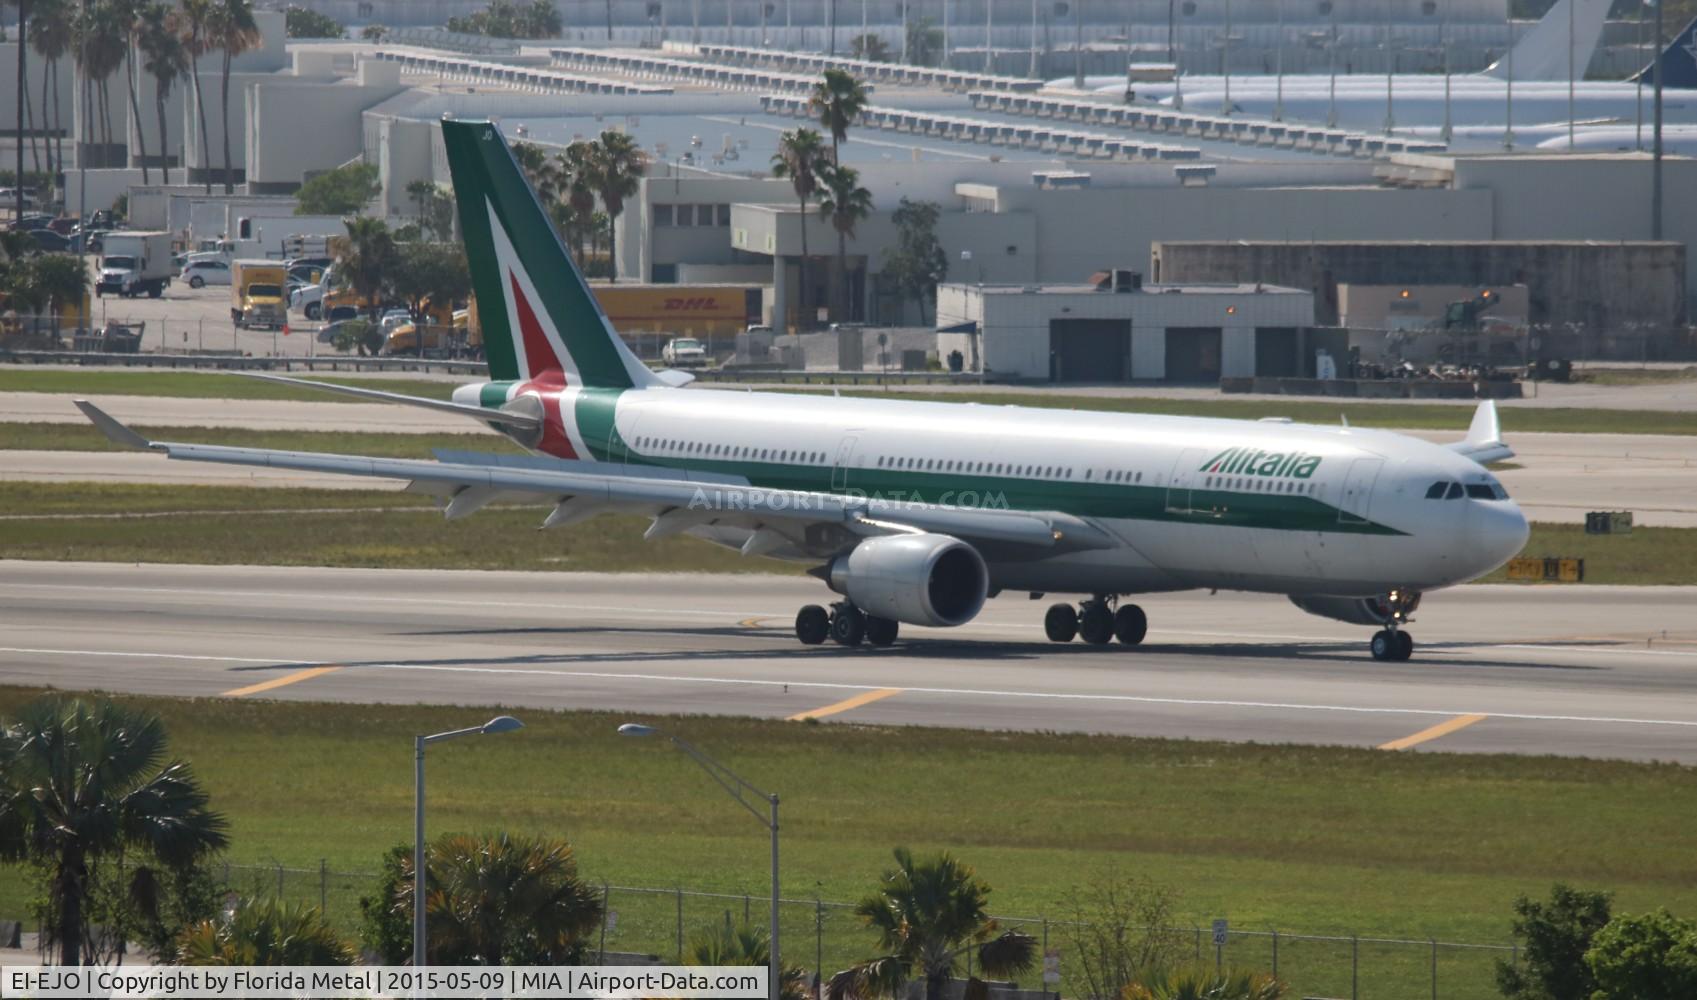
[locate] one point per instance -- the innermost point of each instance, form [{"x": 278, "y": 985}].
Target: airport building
[{"x": 1116, "y": 328}]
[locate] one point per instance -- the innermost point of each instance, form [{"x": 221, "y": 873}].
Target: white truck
[{"x": 132, "y": 264}]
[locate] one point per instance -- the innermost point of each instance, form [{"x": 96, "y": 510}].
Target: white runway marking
[{"x": 966, "y": 692}]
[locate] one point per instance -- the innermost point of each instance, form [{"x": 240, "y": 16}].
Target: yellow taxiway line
[
  {"x": 864, "y": 698},
  {"x": 1443, "y": 728},
  {"x": 283, "y": 681}
]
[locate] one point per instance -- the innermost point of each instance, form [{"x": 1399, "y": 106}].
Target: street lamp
[
  {"x": 499, "y": 724},
  {"x": 731, "y": 782}
]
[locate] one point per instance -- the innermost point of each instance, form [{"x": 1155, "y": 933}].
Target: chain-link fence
[{"x": 644, "y": 923}]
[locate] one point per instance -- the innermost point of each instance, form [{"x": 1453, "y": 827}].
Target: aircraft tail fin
[
  {"x": 1679, "y": 62},
  {"x": 540, "y": 320},
  {"x": 1542, "y": 53}
]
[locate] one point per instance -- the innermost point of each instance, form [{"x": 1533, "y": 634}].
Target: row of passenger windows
[
  {"x": 1251, "y": 484},
  {"x": 1005, "y": 469},
  {"x": 1476, "y": 491},
  {"x": 706, "y": 449}
]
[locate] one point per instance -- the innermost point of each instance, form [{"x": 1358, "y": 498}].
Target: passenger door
[
  {"x": 1355, "y": 502},
  {"x": 1183, "y": 478},
  {"x": 840, "y": 469}
]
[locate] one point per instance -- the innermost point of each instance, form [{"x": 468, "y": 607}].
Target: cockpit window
[
  {"x": 1436, "y": 491},
  {"x": 1486, "y": 491},
  {"x": 1454, "y": 492}
]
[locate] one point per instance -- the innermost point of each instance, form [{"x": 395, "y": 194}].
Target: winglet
[
  {"x": 115, "y": 432},
  {"x": 1484, "y": 440},
  {"x": 1485, "y": 428}
]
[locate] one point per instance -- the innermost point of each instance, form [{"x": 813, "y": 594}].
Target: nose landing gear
[
  {"x": 1097, "y": 622},
  {"x": 1392, "y": 645}
]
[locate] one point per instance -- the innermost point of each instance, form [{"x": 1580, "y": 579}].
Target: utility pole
[
  {"x": 1571, "y": 69},
  {"x": 989, "y": 36},
  {"x": 1656, "y": 139},
  {"x": 1332, "y": 99},
  {"x": 1226, "y": 61},
  {"x": 1444, "y": 43},
  {"x": 1077, "y": 44},
  {"x": 1508, "y": 133},
  {"x": 1032, "y": 71},
  {"x": 1279, "y": 57}
]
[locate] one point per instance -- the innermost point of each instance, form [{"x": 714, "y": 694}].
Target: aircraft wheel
[
  {"x": 848, "y": 626},
  {"x": 1404, "y": 646},
  {"x": 881, "y": 631},
  {"x": 1384, "y": 645},
  {"x": 1130, "y": 624},
  {"x": 812, "y": 625},
  {"x": 1096, "y": 623},
  {"x": 1060, "y": 624}
]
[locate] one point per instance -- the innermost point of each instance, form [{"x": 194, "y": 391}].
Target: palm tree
[
  {"x": 126, "y": 14},
  {"x": 618, "y": 168},
  {"x": 844, "y": 203},
  {"x": 103, "y": 50},
  {"x": 233, "y": 31},
  {"x": 23, "y": 83},
  {"x": 50, "y": 34},
  {"x": 365, "y": 258},
  {"x": 165, "y": 58},
  {"x": 196, "y": 26},
  {"x": 265, "y": 932},
  {"x": 838, "y": 99},
  {"x": 800, "y": 153},
  {"x": 82, "y": 780},
  {"x": 927, "y": 915},
  {"x": 577, "y": 165},
  {"x": 502, "y": 899},
  {"x": 730, "y": 944}
]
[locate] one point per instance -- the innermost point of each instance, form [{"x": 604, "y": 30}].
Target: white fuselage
[{"x": 1290, "y": 508}]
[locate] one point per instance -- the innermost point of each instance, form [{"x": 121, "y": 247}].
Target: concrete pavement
[{"x": 1608, "y": 672}]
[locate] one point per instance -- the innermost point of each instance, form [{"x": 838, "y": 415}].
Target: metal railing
[{"x": 821, "y": 934}]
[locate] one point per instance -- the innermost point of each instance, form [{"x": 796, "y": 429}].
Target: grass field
[
  {"x": 202, "y": 384},
  {"x": 217, "y": 524},
  {"x": 340, "y": 528},
  {"x": 1306, "y": 840},
  {"x": 85, "y": 437},
  {"x": 1635, "y": 376}
]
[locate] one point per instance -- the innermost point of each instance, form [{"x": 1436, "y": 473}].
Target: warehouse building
[
  {"x": 1115, "y": 328},
  {"x": 1602, "y": 285}
]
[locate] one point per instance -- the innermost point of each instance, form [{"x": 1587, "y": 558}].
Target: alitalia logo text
[{"x": 1254, "y": 462}]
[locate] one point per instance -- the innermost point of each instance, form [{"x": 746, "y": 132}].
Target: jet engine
[
  {"x": 918, "y": 579},
  {"x": 1398, "y": 605}
]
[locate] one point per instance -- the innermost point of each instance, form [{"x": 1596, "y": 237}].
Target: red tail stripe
[{"x": 539, "y": 354}]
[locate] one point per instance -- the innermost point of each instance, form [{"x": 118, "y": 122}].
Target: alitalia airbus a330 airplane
[{"x": 917, "y": 512}]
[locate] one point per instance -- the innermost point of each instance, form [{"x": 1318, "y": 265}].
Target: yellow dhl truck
[{"x": 256, "y": 294}]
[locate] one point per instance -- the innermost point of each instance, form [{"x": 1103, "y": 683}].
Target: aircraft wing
[
  {"x": 677, "y": 500},
  {"x": 1484, "y": 441}
]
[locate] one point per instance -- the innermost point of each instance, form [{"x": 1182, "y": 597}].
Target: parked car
[
  {"x": 321, "y": 263},
  {"x": 9, "y": 196},
  {"x": 684, "y": 352},
  {"x": 31, "y": 223},
  {"x": 200, "y": 273},
  {"x": 52, "y": 242}
]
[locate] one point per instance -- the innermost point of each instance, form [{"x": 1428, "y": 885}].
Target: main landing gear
[
  {"x": 844, "y": 624},
  {"x": 1096, "y": 622},
  {"x": 1392, "y": 645}
]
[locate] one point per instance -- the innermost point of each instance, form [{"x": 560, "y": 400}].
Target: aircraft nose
[{"x": 1499, "y": 532}]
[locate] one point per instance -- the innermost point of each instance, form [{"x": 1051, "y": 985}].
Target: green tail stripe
[{"x": 484, "y": 174}]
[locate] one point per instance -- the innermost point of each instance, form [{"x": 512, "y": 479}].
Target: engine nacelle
[
  {"x": 1398, "y": 606},
  {"x": 918, "y": 579}
]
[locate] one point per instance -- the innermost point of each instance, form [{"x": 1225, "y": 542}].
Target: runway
[{"x": 1606, "y": 672}]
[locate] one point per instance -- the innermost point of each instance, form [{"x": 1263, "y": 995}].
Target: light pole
[
  {"x": 499, "y": 724},
  {"x": 733, "y": 783}
]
